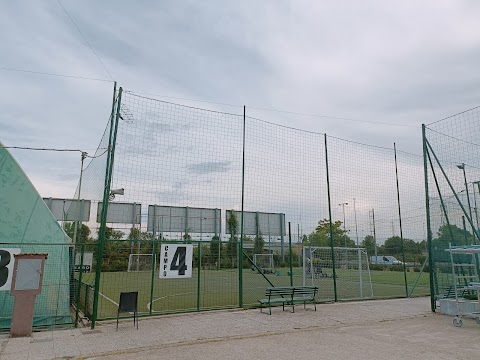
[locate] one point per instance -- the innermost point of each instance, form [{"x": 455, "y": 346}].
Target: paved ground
[{"x": 388, "y": 329}]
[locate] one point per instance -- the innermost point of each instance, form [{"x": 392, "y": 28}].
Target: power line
[
  {"x": 91, "y": 48},
  {"x": 56, "y": 75},
  {"x": 51, "y": 149}
]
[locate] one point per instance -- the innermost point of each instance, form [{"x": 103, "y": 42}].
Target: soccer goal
[
  {"x": 352, "y": 271},
  {"x": 140, "y": 262},
  {"x": 264, "y": 262}
]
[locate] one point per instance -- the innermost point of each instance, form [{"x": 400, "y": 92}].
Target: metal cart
[{"x": 465, "y": 279}]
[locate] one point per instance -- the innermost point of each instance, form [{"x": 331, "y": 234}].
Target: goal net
[
  {"x": 264, "y": 262},
  {"x": 140, "y": 262},
  {"x": 352, "y": 270}
]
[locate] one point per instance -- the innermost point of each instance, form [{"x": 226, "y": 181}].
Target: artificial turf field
[{"x": 220, "y": 288}]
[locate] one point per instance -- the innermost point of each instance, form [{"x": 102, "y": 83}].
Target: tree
[
  {"x": 258, "y": 245},
  {"x": 321, "y": 236},
  {"x": 144, "y": 239},
  {"x": 215, "y": 249},
  {"x": 392, "y": 246},
  {"x": 111, "y": 234},
  {"x": 83, "y": 232},
  {"x": 232, "y": 224},
  {"x": 369, "y": 244},
  {"x": 451, "y": 234}
]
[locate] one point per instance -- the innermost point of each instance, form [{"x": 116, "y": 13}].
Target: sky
[{"x": 371, "y": 71}]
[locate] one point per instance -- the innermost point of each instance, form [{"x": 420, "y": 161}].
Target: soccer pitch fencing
[
  {"x": 245, "y": 188},
  {"x": 212, "y": 285},
  {"x": 452, "y": 168}
]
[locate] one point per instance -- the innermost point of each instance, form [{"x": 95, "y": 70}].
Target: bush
[
  {"x": 396, "y": 268},
  {"x": 378, "y": 267}
]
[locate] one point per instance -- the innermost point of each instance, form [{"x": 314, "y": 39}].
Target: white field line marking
[
  {"x": 164, "y": 297},
  {"x": 106, "y": 297}
]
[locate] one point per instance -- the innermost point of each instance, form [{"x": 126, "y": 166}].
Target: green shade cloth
[{"x": 27, "y": 223}]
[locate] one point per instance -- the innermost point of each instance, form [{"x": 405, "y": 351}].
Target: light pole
[
  {"x": 462, "y": 167},
  {"x": 356, "y": 227},
  {"x": 344, "y": 227}
]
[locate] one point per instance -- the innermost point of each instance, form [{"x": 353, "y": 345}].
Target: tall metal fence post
[
  {"x": 154, "y": 267},
  {"x": 331, "y": 225},
  {"x": 106, "y": 194},
  {"x": 429, "y": 228},
  {"x": 290, "y": 250},
  {"x": 77, "y": 300},
  {"x": 199, "y": 269},
  {"x": 465, "y": 239},
  {"x": 400, "y": 221},
  {"x": 240, "y": 243}
]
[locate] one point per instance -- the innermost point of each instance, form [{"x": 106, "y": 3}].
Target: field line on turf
[
  {"x": 106, "y": 297},
  {"x": 163, "y": 297}
]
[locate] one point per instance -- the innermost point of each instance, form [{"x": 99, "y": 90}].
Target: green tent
[{"x": 28, "y": 226}]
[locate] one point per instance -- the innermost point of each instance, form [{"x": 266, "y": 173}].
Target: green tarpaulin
[{"x": 27, "y": 224}]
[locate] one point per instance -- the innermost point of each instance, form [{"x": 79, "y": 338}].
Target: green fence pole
[
  {"x": 440, "y": 195},
  {"x": 106, "y": 194},
  {"x": 331, "y": 225},
  {"x": 400, "y": 222},
  {"x": 77, "y": 301},
  {"x": 429, "y": 228},
  {"x": 465, "y": 239},
  {"x": 290, "y": 250},
  {"x": 87, "y": 313},
  {"x": 154, "y": 267},
  {"x": 240, "y": 245},
  {"x": 198, "y": 274}
]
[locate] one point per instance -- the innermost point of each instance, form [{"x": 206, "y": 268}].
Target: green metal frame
[
  {"x": 331, "y": 225},
  {"x": 106, "y": 194},
  {"x": 429, "y": 227},
  {"x": 400, "y": 222}
]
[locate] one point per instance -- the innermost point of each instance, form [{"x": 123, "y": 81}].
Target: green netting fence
[
  {"x": 451, "y": 148},
  {"x": 262, "y": 205}
]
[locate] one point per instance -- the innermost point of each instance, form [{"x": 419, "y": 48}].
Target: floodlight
[
  {"x": 114, "y": 192},
  {"x": 117, "y": 191}
]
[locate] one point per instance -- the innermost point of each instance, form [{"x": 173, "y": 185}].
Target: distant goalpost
[
  {"x": 351, "y": 267},
  {"x": 264, "y": 262},
  {"x": 140, "y": 262}
]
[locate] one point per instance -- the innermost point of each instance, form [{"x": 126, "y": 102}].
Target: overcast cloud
[{"x": 404, "y": 63}]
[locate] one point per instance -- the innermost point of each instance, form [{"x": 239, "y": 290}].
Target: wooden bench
[{"x": 289, "y": 295}]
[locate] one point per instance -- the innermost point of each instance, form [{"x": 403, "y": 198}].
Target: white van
[{"x": 384, "y": 260}]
